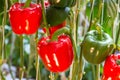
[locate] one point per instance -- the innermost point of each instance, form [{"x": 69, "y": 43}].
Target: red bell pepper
[
  {"x": 57, "y": 56},
  {"x": 25, "y": 20},
  {"x": 112, "y": 68}
]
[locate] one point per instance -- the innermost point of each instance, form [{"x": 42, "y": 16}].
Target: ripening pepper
[
  {"x": 111, "y": 70},
  {"x": 57, "y": 56},
  {"x": 25, "y": 20},
  {"x": 94, "y": 49}
]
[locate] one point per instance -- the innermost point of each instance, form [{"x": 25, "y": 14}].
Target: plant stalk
[
  {"x": 51, "y": 76},
  {"x": 38, "y": 76},
  {"x": 91, "y": 14},
  {"x": 81, "y": 64},
  {"x": 97, "y": 72},
  {"x": 44, "y": 18},
  {"x": 21, "y": 57},
  {"x": 93, "y": 71}
]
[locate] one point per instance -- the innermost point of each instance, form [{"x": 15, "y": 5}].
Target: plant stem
[
  {"x": 81, "y": 65},
  {"x": 97, "y": 72},
  {"x": 51, "y": 76},
  {"x": 31, "y": 55},
  {"x": 102, "y": 11},
  {"x": 117, "y": 35},
  {"x": 37, "y": 60},
  {"x": 2, "y": 51},
  {"x": 118, "y": 32},
  {"x": 9, "y": 65},
  {"x": 1, "y": 75},
  {"x": 93, "y": 71},
  {"x": 44, "y": 18},
  {"x": 73, "y": 69},
  {"x": 91, "y": 15},
  {"x": 37, "y": 68},
  {"x": 21, "y": 57}
]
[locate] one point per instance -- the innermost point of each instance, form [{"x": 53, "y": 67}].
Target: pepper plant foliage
[{"x": 67, "y": 24}]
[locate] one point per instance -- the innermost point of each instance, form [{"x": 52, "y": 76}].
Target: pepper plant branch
[
  {"x": 97, "y": 72},
  {"x": 81, "y": 61},
  {"x": 3, "y": 29},
  {"x": 44, "y": 18},
  {"x": 38, "y": 76},
  {"x": 21, "y": 57},
  {"x": 117, "y": 34},
  {"x": 73, "y": 29},
  {"x": 37, "y": 68},
  {"x": 31, "y": 55},
  {"x": 91, "y": 15},
  {"x": 81, "y": 64},
  {"x": 93, "y": 71}
]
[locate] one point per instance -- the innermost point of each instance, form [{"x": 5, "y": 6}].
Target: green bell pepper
[
  {"x": 94, "y": 49},
  {"x": 56, "y": 16},
  {"x": 62, "y": 3}
]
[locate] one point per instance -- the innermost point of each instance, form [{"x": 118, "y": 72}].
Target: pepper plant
[{"x": 60, "y": 39}]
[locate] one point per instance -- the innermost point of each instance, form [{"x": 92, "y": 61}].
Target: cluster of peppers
[{"x": 57, "y": 55}]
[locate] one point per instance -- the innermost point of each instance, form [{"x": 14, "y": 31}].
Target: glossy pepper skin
[
  {"x": 95, "y": 50},
  {"x": 111, "y": 69},
  {"x": 25, "y": 20},
  {"x": 57, "y": 56},
  {"x": 56, "y": 16}
]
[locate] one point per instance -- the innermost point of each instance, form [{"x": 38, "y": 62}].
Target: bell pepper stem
[
  {"x": 27, "y": 4},
  {"x": 99, "y": 30},
  {"x": 59, "y": 32}
]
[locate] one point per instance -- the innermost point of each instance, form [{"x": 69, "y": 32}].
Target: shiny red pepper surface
[
  {"x": 57, "y": 56},
  {"x": 25, "y": 20},
  {"x": 112, "y": 68}
]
